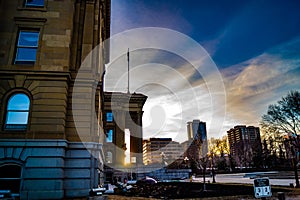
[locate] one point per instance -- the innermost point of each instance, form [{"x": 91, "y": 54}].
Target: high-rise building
[
  {"x": 244, "y": 143},
  {"x": 196, "y": 131},
  {"x": 161, "y": 150},
  {"x": 189, "y": 128},
  {"x": 51, "y": 118}
]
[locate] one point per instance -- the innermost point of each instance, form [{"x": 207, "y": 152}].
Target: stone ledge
[{"x": 33, "y": 143}]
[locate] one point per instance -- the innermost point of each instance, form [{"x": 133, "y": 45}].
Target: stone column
[
  {"x": 119, "y": 137},
  {"x": 136, "y": 137}
]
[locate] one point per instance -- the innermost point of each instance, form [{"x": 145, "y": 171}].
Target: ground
[
  {"x": 214, "y": 192},
  {"x": 118, "y": 197}
]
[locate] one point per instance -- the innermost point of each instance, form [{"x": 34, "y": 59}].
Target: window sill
[
  {"x": 10, "y": 131},
  {"x": 15, "y": 128},
  {"x": 40, "y": 9},
  {"x": 20, "y": 64}
]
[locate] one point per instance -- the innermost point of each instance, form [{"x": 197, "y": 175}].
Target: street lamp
[
  {"x": 212, "y": 167},
  {"x": 203, "y": 164},
  {"x": 293, "y": 145},
  {"x": 186, "y": 159}
]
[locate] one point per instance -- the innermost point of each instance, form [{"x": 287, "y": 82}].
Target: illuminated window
[
  {"x": 109, "y": 135},
  {"x": 34, "y": 3},
  {"x": 109, "y": 157},
  {"x": 109, "y": 116},
  {"x": 27, "y": 47},
  {"x": 17, "y": 112}
]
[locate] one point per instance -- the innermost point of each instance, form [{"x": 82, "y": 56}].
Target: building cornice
[
  {"x": 35, "y": 73},
  {"x": 120, "y": 97}
]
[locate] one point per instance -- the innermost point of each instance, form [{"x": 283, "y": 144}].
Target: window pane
[
  {"x": 34, "y": 3},
  {"x": 109, "y": 117},
  {"x": 27, "y": 47},
  {"x": 109, "y": 137},
  {"x": 18, "y": 102},
  {"x": 17, "y": 117},
  {"x": 26, "y": 54},
  {"x": 28, "y": 38}
]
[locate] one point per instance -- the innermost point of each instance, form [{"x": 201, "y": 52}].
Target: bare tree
[
  {"x": 284, "y": 118},
  {"x": 202, "y": 164}
]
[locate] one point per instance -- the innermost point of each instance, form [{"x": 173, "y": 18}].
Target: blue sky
[{"x": 254, "y": 44}]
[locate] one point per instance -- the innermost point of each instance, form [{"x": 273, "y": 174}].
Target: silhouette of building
[
  {"x": 161, "y": 150},
  {"x": 197, "y": 144},
  {"x": 245, "y": 144},
  {"x": 50, "y": 141}
]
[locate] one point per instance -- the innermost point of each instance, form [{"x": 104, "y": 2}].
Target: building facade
[
  {"x": 50, "y": 141},
  {"x": 245, "y": 144},
  {"x": 124, "y": 134},
  {"x": 161, "y": 151},
  {"x": 197, "y": 139}
]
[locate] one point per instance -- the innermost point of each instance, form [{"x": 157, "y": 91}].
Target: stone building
[
  {"x": 51, "y": 117},
  {"x": 124, "y": 136}
]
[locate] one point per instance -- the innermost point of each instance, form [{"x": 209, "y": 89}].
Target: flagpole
[{"x": 128, "y": 71}]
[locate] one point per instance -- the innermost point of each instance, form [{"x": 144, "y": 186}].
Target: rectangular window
[
  {"x": 34, "y": 3},
  {"x": 27, "y": 47},
  {"x": 109, "y": 116},
  {"x": 109, "y": 135}
]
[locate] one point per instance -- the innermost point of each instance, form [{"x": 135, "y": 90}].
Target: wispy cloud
[{"x": 252, "y": 85}]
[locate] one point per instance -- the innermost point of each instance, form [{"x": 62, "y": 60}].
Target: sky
[{"x": 222, "y": 62}]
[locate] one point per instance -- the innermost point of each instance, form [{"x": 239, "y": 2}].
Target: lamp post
[
  {"x": 295, "y": 167},
  {"x": 293, "y": 142},
  {"x": 203, "y": 164},
  {"x": 212, "y": 167},
  {"x": 186, "y": 159}
]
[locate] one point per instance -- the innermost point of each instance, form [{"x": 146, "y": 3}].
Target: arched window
[{"x": 17, "y": 112}]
